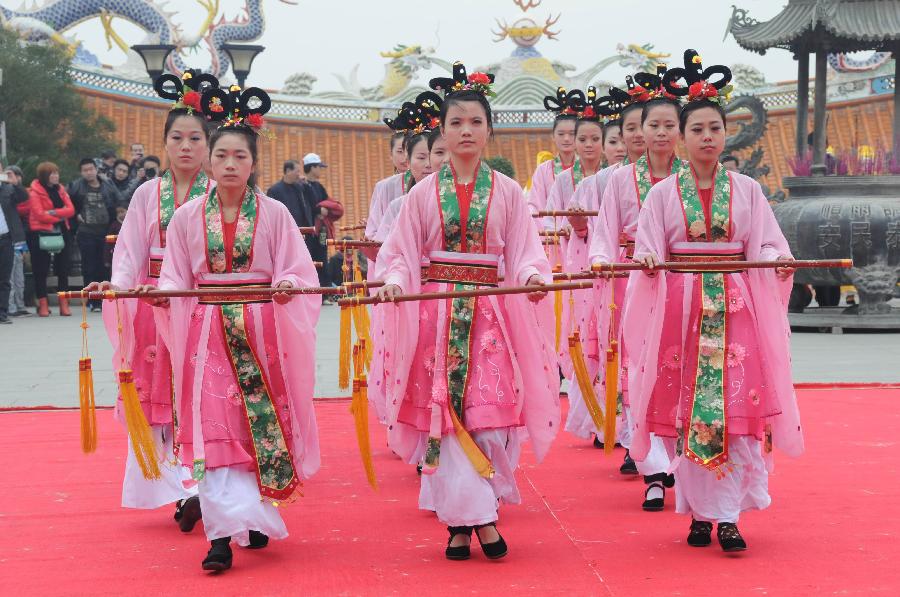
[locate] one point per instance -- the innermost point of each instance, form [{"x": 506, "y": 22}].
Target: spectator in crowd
[
  {"x": 730, "y": 163},
  {"x": 289, "y": 191},
  {"x": 148, "y": 170},
  {"x": 95, "y": 201},
  {"x": 49, "y": 210},
  {"x": 121, "y": 176},
  {"x": 114, "y": 228},
  {"x": 20, "y": 247},
  {"x": 137, "y": 154},
  {"x": 8, "y": 216},
  {"x": 324, "y": 217},
  {"x": 107, "y": 163}
]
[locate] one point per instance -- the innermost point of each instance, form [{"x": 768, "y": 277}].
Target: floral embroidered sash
[
  {"x": 168, "y": 200},
  {"x": 462, "y": 310},
  {"x": 275, "y": 472},
  {"x": 577, "y": 174},
  {"x": 706, "y": 440},
  {"x": 558, "y": 165},
  {"x": 643, "y": 180},
  {"x": 407, "y": 182}
]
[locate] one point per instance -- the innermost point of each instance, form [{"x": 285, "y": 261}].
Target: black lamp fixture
[
  {"x": 241, "y": 56},
  {"x": 154, "y": 56}
]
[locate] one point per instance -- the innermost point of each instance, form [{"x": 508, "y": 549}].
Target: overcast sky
[{"x": 329, "y": 37}]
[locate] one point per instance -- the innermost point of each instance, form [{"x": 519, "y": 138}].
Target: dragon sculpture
[
  {"x": 49, "y": 21},
  {"x": 404, "y": 64}
]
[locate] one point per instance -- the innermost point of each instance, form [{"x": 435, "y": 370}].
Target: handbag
[{"x": 52, "y": 242}]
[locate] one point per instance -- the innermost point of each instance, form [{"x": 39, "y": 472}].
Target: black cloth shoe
[
  {"x": 661, "y": 480},
  {"x": 628, "y": 465},
  {"x": 190, "y": 514},
  {"x": 597, "y": 443},
  {"x": 495, "y": 550},
  {"x": 461, "y": 552},
  {"x": 178, "y": 512},
  {"x": 730, "y": 537},
  {"x": 258, "y": 540},
  {"x": 701, "y": 533},
  {"x": 219, "y": 556}
]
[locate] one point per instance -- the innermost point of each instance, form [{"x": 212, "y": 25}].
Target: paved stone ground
[{"x": 39, "y": 359}]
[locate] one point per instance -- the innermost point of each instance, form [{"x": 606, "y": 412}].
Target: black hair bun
[
  {"x": 460, "y": 81},
  {"x": 693, "y": 74}
]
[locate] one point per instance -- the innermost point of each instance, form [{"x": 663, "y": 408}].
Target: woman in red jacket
[{"x": 49, "y": 210}]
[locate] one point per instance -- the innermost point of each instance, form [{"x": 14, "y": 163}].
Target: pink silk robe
[
  {"x": 386, "y": 190},
  {"x": 285, "y": 334},
  {"x": 660, "y": 325},
  {"x": 541, "y": 182},
  {"x": 141, "y": 344},
  {"x": 512, "y": 365}
]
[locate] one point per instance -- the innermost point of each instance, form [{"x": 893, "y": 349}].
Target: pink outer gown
[
  {"x": 204, "y": 379},
  {"x": 660, "y": 328},
  {"x": 513, "y": 384},
  {"x": 541, "y": 182}
]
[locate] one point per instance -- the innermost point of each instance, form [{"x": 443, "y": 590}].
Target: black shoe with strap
[
  {"x": 258, "y": 540},
  {"x": 662, "y": 481},
  {"x": 701, "y": 533},
  {"x": 460, "y": 552},
  {"x": 188, "y": 514},
  {"x": 629, "y": 467},
  {"x": 730, "y": 537},
  {"x": 495, "y": 550},
  {"x": 219, "y": 556}
]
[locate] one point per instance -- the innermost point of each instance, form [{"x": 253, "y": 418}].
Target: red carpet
[{"x": 832, "y": 529}]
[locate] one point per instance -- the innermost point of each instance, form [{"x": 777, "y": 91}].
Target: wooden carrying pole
[
  {"x": 562, "y": 213},
  {"x": 239, "y": 291},
  {"x": 724, "y": 266},
  {"x": 342, "y": 244},
  {"x": 434, "y": 296}
]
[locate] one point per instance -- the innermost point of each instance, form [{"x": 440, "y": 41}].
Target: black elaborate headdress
[
  {"x": 478, "y": 82},
  {"x": 419, "y": 116},
  {"x": 236, "y": 109},
  {"x": 186, "y": 91},
  {"x": 562, "y": 102},
  {"x": 611, "y": 106},
  {"x": 698, "y": 83},
  {"x": 647, "y": 86}
]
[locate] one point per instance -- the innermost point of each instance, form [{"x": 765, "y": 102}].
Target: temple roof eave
[{"x": 845, "y": 26}]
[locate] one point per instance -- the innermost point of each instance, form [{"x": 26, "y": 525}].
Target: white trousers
[
  {"x": 703, "y": 496},
  {"x": 138, "y": 492},
  {"x": 460, "y": 496},
  {"x": 232, "y": 506}
]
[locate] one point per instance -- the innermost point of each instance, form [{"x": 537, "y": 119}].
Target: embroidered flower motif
[
  {"x": 429, "y": 359},
  {"x": 754, "y": 396},
  {"x": 708, "y": 435},
  {"x": 491, "y": 342},
  {"x": 672, "y": 358},
  {"x": 735, "y": 301},
  {"x": 150, "y": 353},
  {"x": 736, "y": 354},
  {"x": 234, "y": 395}
]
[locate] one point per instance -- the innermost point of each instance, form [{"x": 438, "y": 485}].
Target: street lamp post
[
  {"x": 241, "y": 56},
  {"x": 154, "y": 56}
]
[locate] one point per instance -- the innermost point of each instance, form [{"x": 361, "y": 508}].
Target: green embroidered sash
[
  {"x": 462, "y": 310},
  {"x": 407, "y": 181},
  {"x": 643, "y": 180},
  {"x": 168, "y": 199},
  {"x": 274, "y": 463},
  {"x": 577, "y": 174},
  {"x": 558, "y": 165},
  {"x": 706, "y": 439}
]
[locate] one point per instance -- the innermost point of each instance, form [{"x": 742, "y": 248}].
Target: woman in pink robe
[
  {"x": 386, "y": 190},
  {"x": 470, "y": 374},
  {"x": 713, "y": 347},
  {"x": 245, "y": 366},
  {"x": 419, "y": 121},
  {"x": 137, "y": 260},
  {"x": 613, "y": 241},
  {"x": 564, "y": 141},
  {"x": 587, "y": 197}
]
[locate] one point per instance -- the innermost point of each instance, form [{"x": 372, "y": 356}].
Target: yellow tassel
[
  {"x": 138, "y": 429},
  {"x": 557, "y": 311},
  {"x": 584, "y": 380},
  {"x": 87, "y": 406},
  {"x": 359, "y": 406},
  {"x": 612, "y": 396},
  {"x": 479, "y": 459},
  {"x": 344, "y": 349}
]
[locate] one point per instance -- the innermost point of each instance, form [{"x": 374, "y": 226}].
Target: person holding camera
[{"x": 148, "y": 170}]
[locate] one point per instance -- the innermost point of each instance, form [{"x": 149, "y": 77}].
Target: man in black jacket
[
  {"x": 290, "y": 192},
  {"x": 95, "y": 201},
  {"x": 9, "y": 218}
]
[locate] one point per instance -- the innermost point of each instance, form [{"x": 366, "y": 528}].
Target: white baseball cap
[{"x": 313, "y": 159}]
